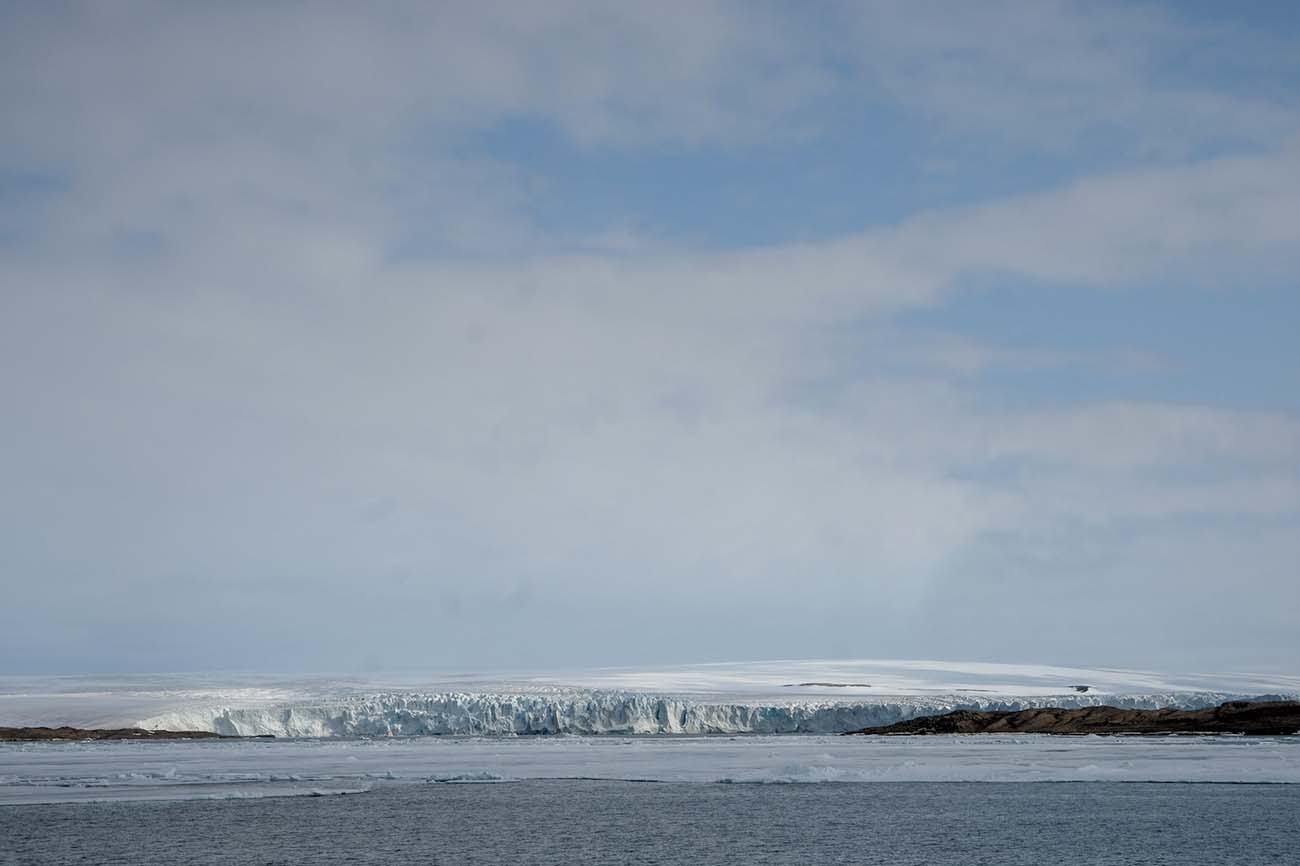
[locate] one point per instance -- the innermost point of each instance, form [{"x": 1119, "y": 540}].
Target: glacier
[
  {"x": 600, "y": 712},
  {"x": 768, "y": 697}
]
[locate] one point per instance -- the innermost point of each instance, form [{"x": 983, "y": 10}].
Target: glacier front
[
  {"x": 772, "y": 697},
  {"x": 598, "y": 712}
]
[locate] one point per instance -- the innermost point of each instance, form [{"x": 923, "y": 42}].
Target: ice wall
[{"x": 611, "y": 712}]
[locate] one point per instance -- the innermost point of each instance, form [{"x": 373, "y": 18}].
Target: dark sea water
[{"x": 581, "y": 822}]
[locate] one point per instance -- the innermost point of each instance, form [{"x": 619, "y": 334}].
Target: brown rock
[
  {"x": 38, "y": 734},
  {"x": 1234, "y": 717}
]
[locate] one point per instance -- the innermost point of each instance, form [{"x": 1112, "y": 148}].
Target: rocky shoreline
[
  {"x": 41, "y": 734},
  {"x": 1261, "y": 718}
]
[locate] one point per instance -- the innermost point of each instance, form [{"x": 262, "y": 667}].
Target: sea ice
[{"x": 57, "y": 772}]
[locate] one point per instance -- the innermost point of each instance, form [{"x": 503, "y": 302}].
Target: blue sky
[{"x": 577, "y": 333}]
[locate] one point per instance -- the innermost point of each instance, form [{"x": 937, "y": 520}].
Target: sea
[{"x": 575, "y": 821}]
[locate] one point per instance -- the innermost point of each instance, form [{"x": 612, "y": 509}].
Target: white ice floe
[{"x": 55, "y": 772}]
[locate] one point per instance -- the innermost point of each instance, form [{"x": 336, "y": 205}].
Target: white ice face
[{"x": 759, "y": 697}]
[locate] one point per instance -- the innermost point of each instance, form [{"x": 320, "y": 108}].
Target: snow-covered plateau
[{"x": 737, "y": 698}]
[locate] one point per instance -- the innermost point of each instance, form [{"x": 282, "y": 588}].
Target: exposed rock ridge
[
  {"x": 1233, "y": 717},
  {"x": 66, "y": 733}
]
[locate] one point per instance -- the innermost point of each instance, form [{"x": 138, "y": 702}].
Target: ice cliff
[{"x": 613, "y": 712}]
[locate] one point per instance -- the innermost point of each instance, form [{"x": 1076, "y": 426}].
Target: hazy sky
[{"x": 358, "y": 336}]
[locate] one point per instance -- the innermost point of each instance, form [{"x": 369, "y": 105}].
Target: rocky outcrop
[
  {"x": 1233, "y": 717},
  {"x": 38, "y": 734}
]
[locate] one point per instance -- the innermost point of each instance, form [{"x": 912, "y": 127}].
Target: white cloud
[
  {"x": 275, "y": 397},
  {"x": 635, "y": 410}
]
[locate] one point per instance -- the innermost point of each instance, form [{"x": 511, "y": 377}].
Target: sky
[{"x": 469, "y": 336}]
